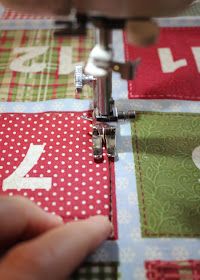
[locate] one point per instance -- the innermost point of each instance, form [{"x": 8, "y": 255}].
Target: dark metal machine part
[{"x": 78, "y": 25}]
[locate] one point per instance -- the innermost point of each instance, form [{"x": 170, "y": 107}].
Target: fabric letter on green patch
[{"x": 167, "y": 158}]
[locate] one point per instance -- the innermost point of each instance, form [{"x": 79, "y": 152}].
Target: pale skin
[
  {"x": 35, "y": 245},
  {"x": 38, "y": 245}
]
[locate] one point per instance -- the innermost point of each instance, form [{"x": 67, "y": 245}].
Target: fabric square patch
[
  {"x": 14, "y": 15},
  {"x": 107, "y": 271},
  {"x": 48, "y": 158},
  {"x": 167, "y": 158},
  {"x": 36, "y": 65},
  {"x": 170, "y": 69},
  {"x": 174, "y": 270}
]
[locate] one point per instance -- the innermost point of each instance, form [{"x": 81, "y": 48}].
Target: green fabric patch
[
  {"x": 168, "y": 177},
  {"x": 107, "y": 271},
  {"x": 48, "y": 75}
]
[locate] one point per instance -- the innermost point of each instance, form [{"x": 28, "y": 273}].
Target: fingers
[
  {"x": 142, "y": 32},
  {"x": 21, "y": 219},
  {"x": 55, "y": 254}
]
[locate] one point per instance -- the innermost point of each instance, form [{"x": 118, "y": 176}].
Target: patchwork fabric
[
  {"x": 170, "y": 69},
  {"x": 107, "y": 271},
  {"x": 35, "y": 65},
  {"x": 13, "y": 15},
  {"x": 174, "y": 270},
  {"x": 167, "y": 158},
  {"x": 48, "y": 158}
]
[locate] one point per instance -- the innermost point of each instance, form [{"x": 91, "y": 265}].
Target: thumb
[{"x": 55, "y": 254}]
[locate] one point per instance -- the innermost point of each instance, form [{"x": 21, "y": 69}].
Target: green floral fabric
[{"x": 168, "y": 177}]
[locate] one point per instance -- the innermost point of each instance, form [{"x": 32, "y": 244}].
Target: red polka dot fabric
[{"x": 54, "y": 150}]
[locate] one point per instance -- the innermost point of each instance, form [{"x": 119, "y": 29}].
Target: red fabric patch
[
  {"x": 173, "y": 270},
  {"x": 152, "y": 81},
  {"x": 79, "y": 187}
]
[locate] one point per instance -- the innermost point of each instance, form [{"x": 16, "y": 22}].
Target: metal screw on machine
[{"x": 80, "y": 79}]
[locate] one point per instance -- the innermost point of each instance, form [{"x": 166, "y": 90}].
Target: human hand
[
  {"x": 139, "y": 32},
  {"x": 37, "y": 245}
]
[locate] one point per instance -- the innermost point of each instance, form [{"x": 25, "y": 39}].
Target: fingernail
[
  {"x": 104, "y": 221},
  {"x": 112, "y": 234},
  {"x": 55, "y": 218},
  {"x": 99, "y": 218}
]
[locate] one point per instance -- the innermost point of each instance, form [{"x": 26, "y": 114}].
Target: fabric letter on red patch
[
  {"x": 48, "y": 158},
  {"x": 170, "y": 69}
]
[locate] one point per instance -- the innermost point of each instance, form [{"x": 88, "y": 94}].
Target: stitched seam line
[
  {"x": 140, "y": 178},
  {"x": 145, "y": 231}
]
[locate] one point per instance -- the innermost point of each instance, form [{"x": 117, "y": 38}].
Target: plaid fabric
[
  {"x": 11, "y": 15},
  {"x": 48, "y": 83},
  {"x": 100, "y": 271},
  {"x": 173, "y": 270}
]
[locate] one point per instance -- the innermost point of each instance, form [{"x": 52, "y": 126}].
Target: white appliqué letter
[
  {"x": 18, "y": 64},
  {"x": 196, "y": 156},
  {"x": 65, "y": 61},
  {"x": 196, "y": 54},
  {"x": 17, "y": 179},
  {"x": 168, "y": 64}
]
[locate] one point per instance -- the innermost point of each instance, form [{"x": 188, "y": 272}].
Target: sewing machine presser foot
[{"x": 103, "y": 136}]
